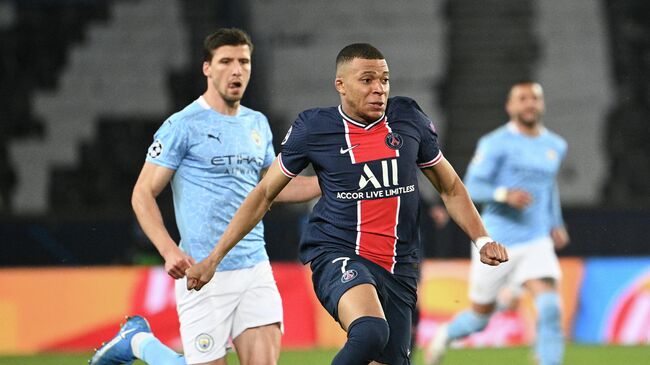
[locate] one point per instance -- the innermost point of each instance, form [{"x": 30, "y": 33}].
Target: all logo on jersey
[
  {"x": 377, "y": 184},
  {"x": 286, "y": 137},
  {"x": 389, "y": 176},
  {"x": 204, "y": 342},
  {"x": 349, "y": 275},
  {"x": 256, "y": 137},
  {"x": 394, "y": 141},
  {"x": 155, "y": 149}
]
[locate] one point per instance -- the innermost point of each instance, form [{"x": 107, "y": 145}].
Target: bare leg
[{"x": 259, "y": 345}]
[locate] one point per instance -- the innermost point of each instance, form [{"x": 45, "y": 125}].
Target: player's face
[
  {"x": 229, "y": 71},
  {"x": 363, "y": 86},
  {"x": 526, "y": 104}
]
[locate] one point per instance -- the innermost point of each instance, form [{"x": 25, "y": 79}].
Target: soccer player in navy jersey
[
  {"x": 513, "y": 174},
  {"x": 361, "y": 239},
  {"x": 213, "y": 152}
]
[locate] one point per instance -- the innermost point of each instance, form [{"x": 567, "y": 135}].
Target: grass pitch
[{"x": 575, "y": 355}]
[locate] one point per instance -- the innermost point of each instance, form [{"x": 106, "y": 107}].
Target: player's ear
[
  {"x": 508, "y": 106},
  {"x": 339, "y": 85},
  {"x": 206, "y": 68}
]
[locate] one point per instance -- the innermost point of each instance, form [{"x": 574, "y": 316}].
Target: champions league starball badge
[
  {"x": 286, "y": 137},
  {"x": 155, "y": 149}
]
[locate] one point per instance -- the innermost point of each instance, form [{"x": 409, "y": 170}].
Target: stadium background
[{"x": 84, "y": 84}]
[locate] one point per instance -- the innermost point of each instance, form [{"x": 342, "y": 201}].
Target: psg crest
[
  {"x": 394, "y": 141},
  {"x": 348, "y": 275}
]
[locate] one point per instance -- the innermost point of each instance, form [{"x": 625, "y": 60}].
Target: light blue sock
[
  {"x": 466, "y": 323},
  {"x": 154, "y": 352},
  {"x": 550, "y": 340}
]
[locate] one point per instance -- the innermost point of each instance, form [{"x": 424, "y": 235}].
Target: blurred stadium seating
[{"x": 84, "y": 84}]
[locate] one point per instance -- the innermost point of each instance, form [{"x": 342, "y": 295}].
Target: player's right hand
[
  {"x": 200, "y": 274},
  {"x": 518, "y": 199},
  {"x": 176, "y": 262},
  {"x": 493, "y": 254}
]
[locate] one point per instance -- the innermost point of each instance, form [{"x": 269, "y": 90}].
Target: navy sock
[{"x": 367, "y": 337}]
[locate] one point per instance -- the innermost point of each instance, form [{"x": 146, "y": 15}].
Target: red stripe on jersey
[
  {"x": 284, "y": 170},
  {"x": 368, "y": 144},
  {"x": 377, "y": 230},
  {"x": 432, "y": 162}
]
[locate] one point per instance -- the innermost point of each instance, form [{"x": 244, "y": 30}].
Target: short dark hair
[
  {"x": 520, "y": 82},
  {"x": 225, "y": 37},
  {"x": 358, "y": 50}
]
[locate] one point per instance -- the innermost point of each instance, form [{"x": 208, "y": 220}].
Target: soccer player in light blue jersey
[
  {"x": 513, "y": 175},
  {"x": 214, "y": 152}
]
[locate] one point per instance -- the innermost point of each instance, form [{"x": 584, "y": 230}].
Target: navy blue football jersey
[{"x": 368, "y": 177}]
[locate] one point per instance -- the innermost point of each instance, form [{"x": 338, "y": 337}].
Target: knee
[
  {"x": 548, "y": 307},
  {"x": 370, "y": 334}
]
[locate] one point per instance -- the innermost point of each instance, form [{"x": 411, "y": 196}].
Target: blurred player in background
[
  {"x": 362, "y": 237},
  {"x": 214, "y": 152},
  {"x": 513, "y": 174}
]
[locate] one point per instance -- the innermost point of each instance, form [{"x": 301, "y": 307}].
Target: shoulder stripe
[
  {"x": 284, "y": 170},
  {"x": 432, "y": 162}
]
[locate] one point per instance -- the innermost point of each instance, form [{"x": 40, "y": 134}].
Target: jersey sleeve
[
  {"x": 293, "y": 158},
  {"x": 429, "y": 153},
  {"x": 169, "y": 145},
  {"x": 481, "y": 171},
  {"x": 269, "y": 155}
]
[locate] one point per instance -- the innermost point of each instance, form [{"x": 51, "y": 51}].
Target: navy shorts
[{"x": 335, "y": 273}]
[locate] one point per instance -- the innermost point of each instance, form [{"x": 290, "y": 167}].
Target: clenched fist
[
  {"x": 493, "y": 253},
  {"x": 200, "y": 274}
]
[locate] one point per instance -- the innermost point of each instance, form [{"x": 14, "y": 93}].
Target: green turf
[{"x": 576, "y": 355}]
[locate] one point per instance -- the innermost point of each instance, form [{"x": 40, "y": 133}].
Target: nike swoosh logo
[
  {"x": 123, "y": 334},
  {"x": 346, "y": 150}
]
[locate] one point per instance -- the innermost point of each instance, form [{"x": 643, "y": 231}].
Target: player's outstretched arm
[
  {"x": 300, "y": 189},
  {"x": 152, "y": 180},
  {"x": 461, "y": 209},
  {"x": 245, "y": 219}
]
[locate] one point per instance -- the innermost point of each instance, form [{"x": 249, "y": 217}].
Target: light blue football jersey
[
  {"x": 218, "y": 160},
  {"x": 507, "y": 158}
]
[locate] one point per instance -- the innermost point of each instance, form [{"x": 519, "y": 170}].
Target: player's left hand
[
  {"x": 560, "y": 237},
  {"x": 493, "y": 253},
  {"x": 200, "y": 274}
]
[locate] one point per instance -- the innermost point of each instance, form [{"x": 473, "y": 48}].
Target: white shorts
[
  {"x": 230, "y": 303},
  {"x": 535, "y": 259}
]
